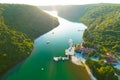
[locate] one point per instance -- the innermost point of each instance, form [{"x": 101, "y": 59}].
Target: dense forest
[
  {"x": 14, "y": 47},
  {"x": 102, "y": 34},
  {"x": 70, "y": 12},
  {"x": 103, "y": 21},
  {"x": 28, "y": 19},
  {"x": 19, "y": 26},
  {"x": 103, "y": 28},
  {"x": 101, "y": 70}
]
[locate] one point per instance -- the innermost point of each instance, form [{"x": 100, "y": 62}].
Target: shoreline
[{"x": 78, "y": 62}]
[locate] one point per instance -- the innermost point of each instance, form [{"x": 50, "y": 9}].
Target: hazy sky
[{"x": 58, "y": 2}]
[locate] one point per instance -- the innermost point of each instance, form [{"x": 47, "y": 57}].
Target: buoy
[
  {"x": 42, "y": 69},
  {"x": 52, "y": 32}
]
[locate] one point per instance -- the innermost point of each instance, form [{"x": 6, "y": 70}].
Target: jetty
[
  {"x": 68, "y": 52},
  {"x": 60, "y": 58}
]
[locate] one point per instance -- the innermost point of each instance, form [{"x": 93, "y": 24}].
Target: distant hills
[
  {"x": 103, "y": 21},
  {"x": 19, "y": 26},
  {"x": 70, "y": 12}
]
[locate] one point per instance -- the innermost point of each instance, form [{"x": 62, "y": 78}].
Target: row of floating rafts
[
  {"x": 60, "y": 58},
  {"x": 68, "y": 52}
]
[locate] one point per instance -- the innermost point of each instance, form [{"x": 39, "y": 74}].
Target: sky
[{"x": 58, "y": 2}]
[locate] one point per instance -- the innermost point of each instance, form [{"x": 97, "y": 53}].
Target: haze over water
[{"x": 40, "y": 65}]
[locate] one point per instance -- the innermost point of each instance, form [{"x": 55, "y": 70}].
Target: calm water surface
[{"x": 40, "y": 65}]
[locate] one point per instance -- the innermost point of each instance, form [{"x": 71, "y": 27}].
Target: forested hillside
[
  {"x": 103, "y": 21},
  {"x": 28, "y": 19},
  {"x": 102, "y": 34},
  {"x": 103, "y": 30},
  {"x": 14, "y": 47},
  {"x": 70, "y": 12},
  {"x": 19, "y": 26}
]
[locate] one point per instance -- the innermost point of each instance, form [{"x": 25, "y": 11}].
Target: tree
[{"x": 106, "y": 73}]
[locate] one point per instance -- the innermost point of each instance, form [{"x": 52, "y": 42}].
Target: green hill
[
  {"x": 103, "y": 34},
  {"x": 19, "y": 26},
  {"x": 103, "y": 21},
  {"x": 70, "y": 12},
  {"x": 28, "y": 19},
  {"x": 14, "y": 47},
  {"x": 103, "y": 30}
]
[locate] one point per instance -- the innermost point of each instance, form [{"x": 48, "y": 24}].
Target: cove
[{"x": 40, "y": 65}]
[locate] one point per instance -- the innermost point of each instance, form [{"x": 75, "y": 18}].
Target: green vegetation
[
  {"x": 102, "y": 34},
  {"x": 19, "y": 26},
  {"x": 28, "y": 19},
  {"x": 70, "y": 12},
  {"x": 103, "y": 21},
  {"x": 73, "y": 12},
  {"x": 14, "y": 47},
  {"x": 117, "y": 71},
  {"x": 101, "y": 71},
  {"x": 103, "y": 28}
]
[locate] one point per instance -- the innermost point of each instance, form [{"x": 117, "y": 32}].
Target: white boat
[
  {"x": 68, "y": 52},
  {"x": 60, "y": 58},
  {"x": 65, "y": 58},
  {"x": 47, "y": 42},
  {"x": 57, "y": 58}
]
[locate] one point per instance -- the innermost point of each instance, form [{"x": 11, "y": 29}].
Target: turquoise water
[{"x": 40, "y": 65}]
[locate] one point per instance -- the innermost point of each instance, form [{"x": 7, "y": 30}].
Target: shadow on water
[
  {"x": 16, "y": 68},
  {"x": 40, "y": 65}
]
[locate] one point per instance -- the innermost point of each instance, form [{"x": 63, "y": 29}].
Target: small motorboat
[
  {"x": 52, "y": 32},
  {"x": 47, "y": 42},
  {"x": 57, "y": 58}
]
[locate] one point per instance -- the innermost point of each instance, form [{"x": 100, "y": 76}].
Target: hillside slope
[
  {"x": 103, "y": 21},
  {"x": 103, "y": 30},
  {"x": 70, "y": 12},
  {"x": 14, "y": 47},
  {"x": 19, "y": 26},
  {"x": 28, "y": 19}
]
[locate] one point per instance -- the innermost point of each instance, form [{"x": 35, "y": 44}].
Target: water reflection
[{"x": 40, "y": 65}]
